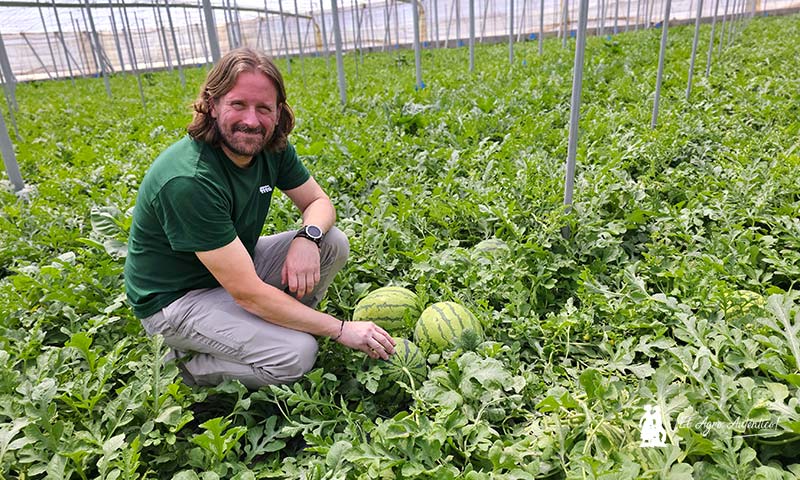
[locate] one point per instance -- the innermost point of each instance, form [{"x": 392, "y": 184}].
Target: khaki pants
[{"x": 223, "y": 341}]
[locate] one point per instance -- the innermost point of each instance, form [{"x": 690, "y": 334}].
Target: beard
[{"x": 243, "y": 140}]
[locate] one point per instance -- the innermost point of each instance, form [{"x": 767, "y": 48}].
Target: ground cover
[{"x": 677, "y": 287}]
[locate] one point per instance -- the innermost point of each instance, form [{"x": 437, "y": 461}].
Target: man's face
[{"x": 246, "y": 116}]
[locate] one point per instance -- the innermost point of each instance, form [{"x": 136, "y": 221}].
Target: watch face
[{"x": 313, "y": 231}]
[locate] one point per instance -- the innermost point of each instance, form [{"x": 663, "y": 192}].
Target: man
[{"x": 240, "y": 306}]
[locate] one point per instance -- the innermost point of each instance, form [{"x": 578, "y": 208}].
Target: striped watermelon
[
  {"x": 407, "y": 358},
  {"x": 391, "y": 308},
  {"x": 443, "y": 323}
]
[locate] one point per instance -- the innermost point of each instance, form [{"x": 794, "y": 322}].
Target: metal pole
[
  {"x": 436, "y": 21},
  {"x": 284, "y": 39},
  {"x": 511, "y": 32},
  {"x": 145, "y": 42},
  {"x": 694, "y": 47},
  {"x": 483, "y": 19},
  {"x": 202, "y": 33},
  {"x": 449, "y": 23},
  {"x": 63, "y": 44},
  {"x": 132, "y": 52},
  {"x": 190, "y": 35},
  {"x": 417, "y": 48},
  {"x": 79, "y": 42},
  {"x": 564, "y": 22},
  {"x": 339, "y": 60},
  {"x": 471, "y": 35},
  {"x": 603, "y": 17},
  {"x": 638, "y": 15},
  {"x": 237, "y": 23},
  {"x": 387, "y": 34},
  {"x": 356, "y": 31},
  {"x": 268, "y": 31},
  {"x": 371, "y": 29},
  {"x": 9, "y": 81},
  {"x": 91, "y": 43},
  {"x": 661, "y": 55},
  {"x": 113, "y": 20},
  {"x": 458, "y": 19},
  {"x": 522, "y": 20},
  {"x": 575, "y": 106},
  {"x": 36, "y": 55},
  {"x": 300, "y": 43},
  {"x": 175, "y": 44},
  {"x": 722, "y": 28},
  {"x": 628, "y": 15},
  {"x": 541, "y": 27},
  {"x": 98, "y": 49},
  {"x": 616, "y": 16},
  {"x": 396, "y": 25},
  {"x": 47, "y": 36},
  {"x": 162, "y": 36},
  {"x": 211, "y": 30},
  {"x": 324, "y": 34},
  {"x": 9, "y": 158},
  {"x": 9, "y": 100}
]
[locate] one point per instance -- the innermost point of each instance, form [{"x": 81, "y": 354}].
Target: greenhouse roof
[{"x": 23, "y": 15}]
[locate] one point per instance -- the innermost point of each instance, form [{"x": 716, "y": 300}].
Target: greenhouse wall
[{"x": 141, "y": 37}]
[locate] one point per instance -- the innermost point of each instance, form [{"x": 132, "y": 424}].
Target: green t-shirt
[{"x": 193, "y": 199}]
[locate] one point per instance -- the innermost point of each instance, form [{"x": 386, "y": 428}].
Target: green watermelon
[
  {"x": 409, "y": 358},
  {"x": 443, "y": 323},
  {"x": 389, "y": 307}
]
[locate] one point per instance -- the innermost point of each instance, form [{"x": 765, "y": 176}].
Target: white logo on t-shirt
[{"x": 265, "y": 189}]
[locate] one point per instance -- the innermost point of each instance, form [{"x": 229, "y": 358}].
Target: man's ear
[{"x": 212, "y": 107}]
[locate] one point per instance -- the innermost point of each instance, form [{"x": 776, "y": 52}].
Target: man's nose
[{"x": 250, "y": 117}]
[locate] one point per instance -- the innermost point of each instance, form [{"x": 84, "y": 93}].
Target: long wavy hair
[{"x": 221, "y": 79}]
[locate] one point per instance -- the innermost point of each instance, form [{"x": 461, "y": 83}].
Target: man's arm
[
  {"x": 232, "y": 266},
  {"x": 301, "y": 268}
]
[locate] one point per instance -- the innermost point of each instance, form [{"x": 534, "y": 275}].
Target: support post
[
  {"x": 694, "y": 47},
  {"x": 575, "y": 106},
  {"x": 662, "y": 54},
  {"x": 9, "y": 158},
  {"x": 211, "y": 30},
  {"x": 175, "y": 45},
  {"x": 337, "y": 35},
  {"x": 417, "y": 49}
]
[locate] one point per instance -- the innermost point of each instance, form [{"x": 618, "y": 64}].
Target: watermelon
[
  {"x": 442, "y": 324},
  {"x": 409, "y": 358},
  {"x": 389, "y": 307}
]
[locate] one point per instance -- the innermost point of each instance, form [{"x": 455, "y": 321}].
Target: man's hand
[
  {"x": 368, "y": 338},
  {"x": 301, "y": 268}
]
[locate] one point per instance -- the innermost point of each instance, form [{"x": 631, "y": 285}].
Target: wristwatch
[{"x": 311, "y": 232}]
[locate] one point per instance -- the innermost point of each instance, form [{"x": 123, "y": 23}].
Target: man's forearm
[
  {"x": 274, "y": 306},
  {"x": 321, "y": 213}
]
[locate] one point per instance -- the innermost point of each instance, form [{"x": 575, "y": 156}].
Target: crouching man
[{"x": 233, "y": 304}]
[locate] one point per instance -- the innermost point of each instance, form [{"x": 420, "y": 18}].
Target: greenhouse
[{"x": 518, "y": 239}]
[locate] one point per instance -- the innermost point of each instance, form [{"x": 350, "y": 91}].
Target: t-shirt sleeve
[
  {"x": 291, "y": 172},
  {"x": 195, "y": 216}
]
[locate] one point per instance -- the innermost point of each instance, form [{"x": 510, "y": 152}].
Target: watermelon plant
[{"x": 647, "y": 303}]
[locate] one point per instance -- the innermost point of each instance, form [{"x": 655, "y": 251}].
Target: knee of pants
[
  {"x": 297, "y": 360},
  {"x": 336, "y": 245}
]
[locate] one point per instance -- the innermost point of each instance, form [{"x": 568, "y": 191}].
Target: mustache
[{"x": 246, "y": 129}]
